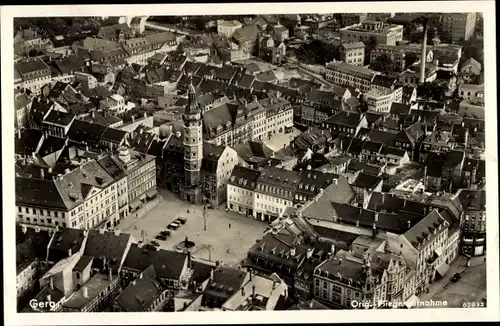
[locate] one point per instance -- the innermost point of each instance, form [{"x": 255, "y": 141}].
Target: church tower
[{"x": 193, "y": 149}]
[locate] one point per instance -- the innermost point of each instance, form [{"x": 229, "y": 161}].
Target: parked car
[
  {"x": 159, "y": 237},
  {"x": 155, "y": 243},
  {"x": 181, "y": 220},
  {"x": 165, "y": 233},
  {"x": 456, "y": 277},
  {"x": 174, "y": 225}
]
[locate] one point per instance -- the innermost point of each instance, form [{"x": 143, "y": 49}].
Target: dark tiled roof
[
  {"x": 418, "y": 232},
  {"x": 40, "y": 240},
  {"x": 372, "y": 146},
  {"x": 246, "y": 81},
  {"x": 366, "y": 181},
  {"x": 51, "y": 144},
  {"x": 141, "y": 293},
  {"x": 82, "y": 131},
  {"x": 29, "y": 141},
  {"x": 83, "y": 263},
  {"x": 114, "y": 135},
  {"x": 25, "y": 255},
  {"x": 33, "y": 192},
  {"x": 64, "y": 240},
  {"x": 244, "y": 177},
  {"x": 201, "y": 271},
  {"x": 168, "y": 264},
  {"x": 107, "y": 245},
  {"x": 360, "y": 166},
  {"x": 59, "y": 118},
  {"x": 400, "y": 108},
  {"x": 344, "y": 118}
]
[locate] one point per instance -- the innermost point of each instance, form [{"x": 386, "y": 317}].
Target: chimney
[
  {"x": 409, "y": 225},
  {"x": 340, "y": 261},
  {"x": 70, "y": 252},
  {"x": 37, "y": 229},
  {"x": 133, "y": 119},
  {"x": 145, "y": 115},
  {"x": 332, "y": 248},
  {"x": 85, "y": 292},
  {"x": 42, "y": 174},
  {"x": 25, "y": 229},
  {"x": 242, "y": 291},
  {"x": 49, "y": 298},
  {"x": 93, "y": 114},
  {"x": 253, "y": 291},
  {"x": 466, "y": 137},
  {"x": 374, "y": 231},
  {"x": 140, "y": 245},
  {"x": 212, "y": 274},
  {"x": 52, "y": 283},
  {"x": 309, "y": 253},
  {"x": 310, "y": 304},
  {"x": 140, "y": 276},
  {"x": 110, "y": 274},
  {"x": 292, "y": 251},
  {"x": 376, "y": 216},
  {"x": 19, "y": 134},
  {"x": 423, "y": 55}
]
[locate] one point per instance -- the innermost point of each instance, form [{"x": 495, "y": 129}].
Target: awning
[
  {"x": 135, "y": 204},
  {"x": 443, "y": 269},
  {"x": 412, "y": 301},
  {"x": 151, "y": 194}
]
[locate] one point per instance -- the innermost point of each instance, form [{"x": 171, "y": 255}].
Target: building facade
[
  {"x": 353, "y": 53},
  {"x": 460, "y": 25},
  {"x": 380, "y": 32}
]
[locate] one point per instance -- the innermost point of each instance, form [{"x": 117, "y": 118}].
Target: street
[
  {"x": 470, "y": 288},
  {"x": 227, "y": 244}
]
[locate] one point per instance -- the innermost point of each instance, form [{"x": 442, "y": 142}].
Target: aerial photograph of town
[{"x": 250, "y": 162}]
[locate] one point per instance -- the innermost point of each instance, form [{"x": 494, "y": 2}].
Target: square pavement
[{"x": 228, "y": 244}]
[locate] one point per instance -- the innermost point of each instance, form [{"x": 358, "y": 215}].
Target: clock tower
[{"x": 193, "y": 149}]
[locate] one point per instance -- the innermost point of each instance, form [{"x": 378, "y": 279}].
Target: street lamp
[{"x": 205, "y": 217}]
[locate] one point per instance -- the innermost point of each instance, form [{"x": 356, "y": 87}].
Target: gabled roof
[
  {"x": 366, "y": 181},
  {"x": 107, "y": 245},
  {"x": 34, "y": 192},
  {"x": 168, "y": 264},
  {"x": 140, "y": 294},
  {"x": 345, "y": 118}
]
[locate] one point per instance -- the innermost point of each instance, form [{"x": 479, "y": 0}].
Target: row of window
[{"x": 42, "y": 212}]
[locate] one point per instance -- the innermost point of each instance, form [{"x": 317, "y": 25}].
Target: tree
[
  {"x": 317, "y": 52},
  {"x": 410, "y": 59},
  {"x": 445, "y": 36},
  {"x": 383, "y": 63}
]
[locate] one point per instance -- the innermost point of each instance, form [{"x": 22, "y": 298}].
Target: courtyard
[
  {"x": 279, "y": 141},
  {"x": 228, "y": 235}
]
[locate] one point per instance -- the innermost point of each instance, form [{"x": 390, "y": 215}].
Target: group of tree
[
  {"x": 433, "y": 90},
  {"x": 71, "y": 28},
  {"x": 317, "y": 52},
  {"x": 383, "y": 63},
  {"x": 473, "y": 48}
]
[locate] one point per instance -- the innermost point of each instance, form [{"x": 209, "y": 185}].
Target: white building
[
  {"x": 227, "y": 27},
  {"x": 32, "y": 75},
  {"x": 471, "y": 92},
  {"x": 82, "y": 198},
  {"x": 348, "y": 75}
]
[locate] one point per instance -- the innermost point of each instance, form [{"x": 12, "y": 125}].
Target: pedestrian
[{"x": 229, "y": 225}]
